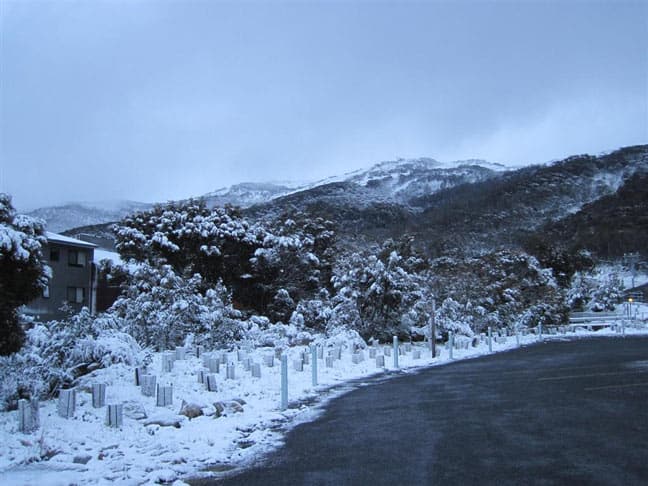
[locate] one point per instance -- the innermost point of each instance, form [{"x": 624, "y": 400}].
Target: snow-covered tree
[
  {"x": 499, "y": 289},
  {"x": 192, "y": 239},
  {"x": 268, "y": 268},
  {"x": 161, "y": 309},
  {"x": 313, "y": 313},
  {"x": 606, "y": 293},
  {"x": 296, "y": 258},
  {"x": 380, "y": 296},
  {"x": 23, "y": 276},
  {"x": 456, "y": 317}
]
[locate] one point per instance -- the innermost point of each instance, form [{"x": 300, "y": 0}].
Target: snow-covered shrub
[
  {"x": 281, "y": 307},
  {"x": 455, "y": 317},
  {"x": 108, "y": 348},
  {"x": 192, "y": 239},
  {"x": 607, "y": 294},
  {"x": 579, "y": 292},
  {"x": 313, "y": 313},
  {"x": 161, "y": 309},
  {"x": 341, "y": 336},
  {"x": 58, "y": 352},
  {"x": 260, "y": 332},
  {"x": 24, "y": 375},
  {"x": 599, "y": 290},
  {"x": 268, "y": 267},
  {"x": 379, "y": 296},
  {"x": 500, "y": 289}
]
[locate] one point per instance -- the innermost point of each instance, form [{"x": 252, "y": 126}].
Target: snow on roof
[
  {"x": 55, "y": 237},
  {"x": 100, "y": 254}
]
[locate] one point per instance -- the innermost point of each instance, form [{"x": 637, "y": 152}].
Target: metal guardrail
[{"x": 592, "y": 320}]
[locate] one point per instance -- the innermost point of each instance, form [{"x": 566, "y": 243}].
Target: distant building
[{"x": 73, "y": 277}]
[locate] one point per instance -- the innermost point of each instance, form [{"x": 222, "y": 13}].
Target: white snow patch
[{"x": 146, "y": 450}]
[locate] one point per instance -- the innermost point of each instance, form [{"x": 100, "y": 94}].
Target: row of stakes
[
  {"x": 28, "y": 410},
  {"x": 28, "y": 418}
]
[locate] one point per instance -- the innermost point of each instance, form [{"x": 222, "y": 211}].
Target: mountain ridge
[
  {"x": 470, "y": 208},
  {"x": 246, "y": 194}
]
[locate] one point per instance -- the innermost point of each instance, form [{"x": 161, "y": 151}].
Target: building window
[
  {"x": 55, "y": 254},
  {"x": 76, "y": 258},
  {"x": 76, "y": 295}
]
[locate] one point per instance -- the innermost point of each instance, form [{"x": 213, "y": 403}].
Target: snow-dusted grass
[{"x": 83, "y": 450}]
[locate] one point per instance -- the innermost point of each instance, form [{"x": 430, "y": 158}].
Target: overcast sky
[{"x": 156, "y": 100}]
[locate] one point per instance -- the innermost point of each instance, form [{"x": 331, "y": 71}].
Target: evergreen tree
[
  {"x": 23, "y": 276},
  {"x": 381, "y": 295}
]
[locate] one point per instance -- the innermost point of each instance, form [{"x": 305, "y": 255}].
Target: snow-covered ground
[
  {"x": 605, "y": 272},
  {"x": 638, "y": 280},
  {"x": 158, "y": 445}
]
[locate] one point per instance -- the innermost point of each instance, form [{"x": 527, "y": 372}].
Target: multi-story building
[{"x": 73, "y": 277}]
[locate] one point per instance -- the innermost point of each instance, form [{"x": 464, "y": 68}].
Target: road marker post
[
  {"x": 284, "y": 381},
  {"x": 433, "y": 330},
  {"x": 490, "y": 340},
  {"x": 314, "y": 364},
  {"x": 451, "y": 342},
  {"x": 395, "y": 351}
]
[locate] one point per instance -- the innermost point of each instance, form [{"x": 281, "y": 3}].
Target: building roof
[{"x": 66, "y": 240}]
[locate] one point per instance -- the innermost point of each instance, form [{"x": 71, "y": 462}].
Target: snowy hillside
[
  {"x": 248, "y": 193},
  {"x": 403, "y": 180},
  {"x": 396, "y": 181},
  {"x": 73, "y": 215},
  {"x": 198, "y": 432}
]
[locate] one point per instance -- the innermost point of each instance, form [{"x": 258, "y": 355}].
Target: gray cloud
[{"x": 153, "y": 100}]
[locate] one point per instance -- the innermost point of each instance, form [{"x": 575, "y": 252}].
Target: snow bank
[{"x": 240, "y": 422}]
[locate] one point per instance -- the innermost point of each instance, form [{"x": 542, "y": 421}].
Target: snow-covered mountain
[
  {"x": 248, "y": 193},
  {"x": 381, "y": 193},
  {"x": 73, "y": 215},
  {"x": 405, "y": 180},
  {"x": 465, "y": 205},
  {"x": 468, "y": 204},
  {"x": 397, "y": 181}
]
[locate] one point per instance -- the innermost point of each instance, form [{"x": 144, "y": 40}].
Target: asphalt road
[{"x": 573, "y": 412}]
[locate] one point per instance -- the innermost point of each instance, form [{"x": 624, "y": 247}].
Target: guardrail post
[
  {"x": 490, "y": 340},
  {"x": 284, "y": 381},
  {"x": 395, "y": 351},
  {"x": 314, "y": 363}
]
